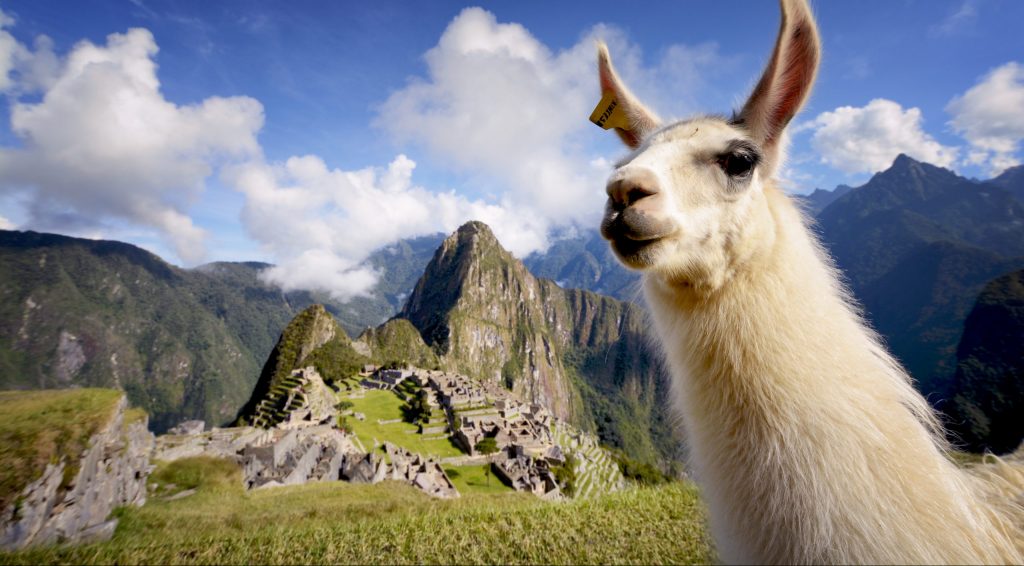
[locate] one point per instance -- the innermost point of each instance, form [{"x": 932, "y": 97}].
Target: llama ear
[
  {"x": 618, "y": 108},
  {"x": 787, "y": 80}
]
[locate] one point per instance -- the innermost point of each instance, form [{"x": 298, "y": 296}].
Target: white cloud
[
  {"x": 868, "y": 139},
  {"x": 11, "y": 51},
  {"x": 104, "y": 144},
  {"x": 498, "y": 103},
  {"x": 320, "y": 224},
  {"x": 22, "y": 69},
  {"x": 6, "y": 224},
  {"x": 991, "y": 117}
]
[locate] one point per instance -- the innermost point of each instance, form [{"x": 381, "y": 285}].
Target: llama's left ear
[
  {"x": 787, "y": 80},
  {"x": 619, "y": 108}
]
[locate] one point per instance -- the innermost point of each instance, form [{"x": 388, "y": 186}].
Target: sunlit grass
[
  {"x": 384, "y": 405},
  {"x": 391, "y": 523},
  {"x": 472, "y": 480}
]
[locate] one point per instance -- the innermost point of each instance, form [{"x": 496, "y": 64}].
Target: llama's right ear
[
  {"x": 786, "y": 81},
  {"x": 619, "y": 109}
]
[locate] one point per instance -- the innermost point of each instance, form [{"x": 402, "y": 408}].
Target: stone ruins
[
  {"x": 291, "y": 455},
  {"x": 525, "y": 433},
  {"x": 302, "y": 399}
]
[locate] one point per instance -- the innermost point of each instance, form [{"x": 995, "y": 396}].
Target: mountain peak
[
  {"x": 475, "y": 227},
  {"x": 907, "y": 172},
  {"x": 904, "y": 160},
  {"x": 466, "y": 254},
  {"x": 472, "y": 234}
]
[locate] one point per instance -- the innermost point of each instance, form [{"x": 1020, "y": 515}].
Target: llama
[{"x": 807, "y": 438}]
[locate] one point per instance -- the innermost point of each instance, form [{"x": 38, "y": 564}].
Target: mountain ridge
[{"x": 580, "y": 354}]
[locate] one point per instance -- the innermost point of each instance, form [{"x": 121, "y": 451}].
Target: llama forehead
[{"x": 698, "y": 137}]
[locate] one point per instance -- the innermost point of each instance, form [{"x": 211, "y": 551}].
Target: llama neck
[{"x": 806, "y": 437}]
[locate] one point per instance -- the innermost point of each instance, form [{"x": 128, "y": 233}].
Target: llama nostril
[
  {"x": 628, "y": 186},
  {"x": 623, "y": 193},
  {"x": 636, "y": 193}
]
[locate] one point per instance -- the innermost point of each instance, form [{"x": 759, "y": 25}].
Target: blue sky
[{"x": 308, "y": 133}]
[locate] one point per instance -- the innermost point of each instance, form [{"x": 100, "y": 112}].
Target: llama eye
[{"x": 737, "y": 165}]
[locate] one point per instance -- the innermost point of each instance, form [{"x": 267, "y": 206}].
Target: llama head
[{"x": 688, "y": 203}]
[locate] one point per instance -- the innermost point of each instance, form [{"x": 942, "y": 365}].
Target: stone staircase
[
  {"x": 301, "y": 392},
  {"x": 596, "y": 471}
]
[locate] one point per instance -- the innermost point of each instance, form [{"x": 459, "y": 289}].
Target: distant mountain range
[
  {"x": 184, "y": 343},
  {"x": 820, "y": 198},
  {"x": 917, "y": 244}
]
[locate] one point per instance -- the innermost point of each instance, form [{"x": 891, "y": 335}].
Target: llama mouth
[
  {"x": 633, "y": 226},
  {"x": 634, "y": 253}
]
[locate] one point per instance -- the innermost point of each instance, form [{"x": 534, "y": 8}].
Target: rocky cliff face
[
  {"x": 581, "y": 355},
  {"x": 112, "y": 472},
  {"x": 482, "y": 311}
]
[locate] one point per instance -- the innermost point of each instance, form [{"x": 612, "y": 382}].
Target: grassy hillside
[
  {"x": 182, "y": 343},
  {"x": 390, "y": 524},
  {"x": 83, "y": 313},
  {"x": 37, "y": 427}
]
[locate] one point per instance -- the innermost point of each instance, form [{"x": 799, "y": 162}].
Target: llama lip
[
  {"x": 634, "y": 226},
  {"x": 634, "y": 253}
]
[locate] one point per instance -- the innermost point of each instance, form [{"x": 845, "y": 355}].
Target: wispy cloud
[{"x": 961, "y": 21}]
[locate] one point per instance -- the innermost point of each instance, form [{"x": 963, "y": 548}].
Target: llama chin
[{"x": 808, "y": 440}]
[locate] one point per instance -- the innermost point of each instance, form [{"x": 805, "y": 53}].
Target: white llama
[{"x": 807, "y": 438}]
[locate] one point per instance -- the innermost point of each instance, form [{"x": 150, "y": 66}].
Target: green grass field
[
  {"x": 37, "y": 426},
  {"x": 384, "y": 405},
  {"x": 391, "y": 524},
  {"x": 470, "y": 480}
]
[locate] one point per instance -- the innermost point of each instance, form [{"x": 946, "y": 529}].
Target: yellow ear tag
[{"x": 609, "y": 113}]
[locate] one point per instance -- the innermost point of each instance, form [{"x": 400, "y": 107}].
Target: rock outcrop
[
  {"x": 111, "y": 473},
  {"x": 294, "y": 456}
]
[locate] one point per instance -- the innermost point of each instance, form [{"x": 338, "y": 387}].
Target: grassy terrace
[
  {"x": 390, "y": 523},
  {"x": 470, "y": 480},
  {"x": 38, "y": 426},
  {"x": 385, "y": 405}
]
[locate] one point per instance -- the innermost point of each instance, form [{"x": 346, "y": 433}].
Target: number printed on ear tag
[{"x": 609, "y": 113}]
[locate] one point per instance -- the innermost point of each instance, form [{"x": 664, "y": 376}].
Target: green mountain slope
[
  {"x": 182, "y": 343},
  {"x": 987, "y": 411},
  {"x": 105, "y": 314},
  {"x": 312, "y": 338}
]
